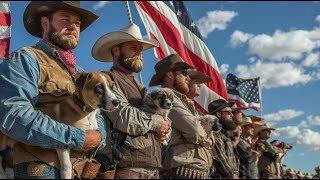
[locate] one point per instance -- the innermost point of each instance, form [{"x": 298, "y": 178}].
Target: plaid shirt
[{"x": 224, "y": 156}]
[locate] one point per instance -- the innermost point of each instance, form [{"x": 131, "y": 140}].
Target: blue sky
[{"x": 276, "y": 41}]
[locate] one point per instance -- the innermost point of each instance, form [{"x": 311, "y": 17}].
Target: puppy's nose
[
  {"x": 115, "y": 102},
  {"x": 169, "y": 104}
]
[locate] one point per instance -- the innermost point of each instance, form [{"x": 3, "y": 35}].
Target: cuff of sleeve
[
  {"x": 157, "y": 122},
  {"x": 78, "y": 136}
]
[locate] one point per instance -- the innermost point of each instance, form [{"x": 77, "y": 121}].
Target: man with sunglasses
[
  {"x": 224, "y": 156},
  {"x": 188, "y": 153}
]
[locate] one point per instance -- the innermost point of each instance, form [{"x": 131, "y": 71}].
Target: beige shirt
[{"x": 189, "y": 145}]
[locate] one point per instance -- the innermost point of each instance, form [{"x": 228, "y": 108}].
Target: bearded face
[
  {"x": 134, "y": 64},
  {"x": 180, "y": 85},
  {"x": 62, "y": 39},
  {"x": 228, "y": 125}
]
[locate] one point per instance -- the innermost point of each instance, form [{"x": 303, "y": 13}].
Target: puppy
[
  {"x": 210, "y": 123},
  {"x": 159, "y": 101},
  {"x": 93, "y": 91}
]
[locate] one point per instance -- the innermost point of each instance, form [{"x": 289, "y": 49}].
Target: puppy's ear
[
  {"x": 154, "y": 95},
  {"x": 81, "y": 79}
]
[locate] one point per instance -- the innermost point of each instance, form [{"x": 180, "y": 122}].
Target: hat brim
[
  {"x": 156, "y": 78},
  {"x": 37, "y": 9},
  {"x": 256, "y": 131},
  {"x": 101, "y": 50},
  {"x": 228, "y": 104}
]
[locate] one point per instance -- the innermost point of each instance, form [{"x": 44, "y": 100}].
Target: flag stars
[
  {"x": 179, "y": 13},
  {"x": 193, "y": 24}
]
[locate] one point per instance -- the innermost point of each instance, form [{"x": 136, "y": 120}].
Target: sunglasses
[
  {"x": 229, "y": 112},
  {"x": 184, "y": 72}
]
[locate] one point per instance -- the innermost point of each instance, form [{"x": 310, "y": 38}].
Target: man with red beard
[
  {"x": 40, "y": 76},
  {"x": 135, "y": 136},
  {"x": 188, "y": 152}
]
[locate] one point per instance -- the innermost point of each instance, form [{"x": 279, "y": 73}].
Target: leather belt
[
  {"x": 189, "y": 173},
  {"x": 128, "y": 174}
]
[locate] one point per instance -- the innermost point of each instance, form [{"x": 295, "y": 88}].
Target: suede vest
[
  {"x": 55, "y": 84},
  {"x": 147, "y": 151}
]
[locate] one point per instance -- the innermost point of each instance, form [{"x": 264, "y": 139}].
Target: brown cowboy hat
[
  {"x": 255, "y": 118},
  {"x": 37, "y": 9},
  {"x": 218, "y": 104},
  {"x": 199, "y": 77},
  {"x": 169, "y": 63},
  {"x": 261, "y": 128},
  {"x": 317, "y": 168},
  {"x": 101, "y": 50}
]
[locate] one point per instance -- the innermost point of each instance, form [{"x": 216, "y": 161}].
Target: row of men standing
[{"x": 132, "y": 149}]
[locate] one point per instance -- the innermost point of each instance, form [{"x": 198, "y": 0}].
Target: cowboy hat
[
  {"x": 247, "y": 121},
  {"x": 255, "y": 118},
  {"x": 169, "y": 63},
  {"x": 261, "y": 128},
  {"x": 291, "y": 171},
  {"x": 199, "y": 77},
  {"x": 101, "y": 50},
  {"x": 308, "y": 175},
  {"x": 37, "y": 9},
  {"x": 218, "y": 104},
  {"x": 300, "y": 174},
  {"x": 317, "y": 168}
]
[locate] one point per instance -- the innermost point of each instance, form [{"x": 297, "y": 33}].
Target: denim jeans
[{"x": 49, "y": 172}]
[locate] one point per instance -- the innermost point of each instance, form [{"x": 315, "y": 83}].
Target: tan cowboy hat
[
  {"x": 261, "y": 128},
  {"x": 247, "y": 121},
  {"x": 199, "y": 77},
  {"x": 300, "y": 174},
  {"x": 169, "y": 63},
  {"x": 291, "y": 171},
  {"x": 308, "y": 175},
  {"x": 37, "y": 9},
  {"x": 218, "y": 104},
  {"x": 255, "y": 118},
  {"x": 101, "y": 50}
]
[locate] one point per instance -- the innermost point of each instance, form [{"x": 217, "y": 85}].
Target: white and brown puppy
[
  {"x": 93, "y": 91},
  {"x": 159, "y": 101}
]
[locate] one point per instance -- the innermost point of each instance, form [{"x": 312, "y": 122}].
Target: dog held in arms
[
  {"x": 93, "y": 91},
  {"x": 159, "y": 101}
]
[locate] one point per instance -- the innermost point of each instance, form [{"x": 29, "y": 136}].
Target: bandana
[{"x": 67, "y": 56}]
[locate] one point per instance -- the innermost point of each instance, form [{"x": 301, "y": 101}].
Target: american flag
[
  {"x": 171, "y": 25},
  {"x": 244, "y": 92},
  {"x": 5, "y": 29}
]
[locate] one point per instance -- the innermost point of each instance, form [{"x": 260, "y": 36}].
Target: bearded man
[
  {"x": 40, "y": 76},
  {"x": 225, "y": 159},
  {"x": 135, "y": 135}
]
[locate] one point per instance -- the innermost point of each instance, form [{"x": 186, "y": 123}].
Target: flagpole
[
  {"x": 260, "y": 95},
  {"x": 130, "y": 22}
]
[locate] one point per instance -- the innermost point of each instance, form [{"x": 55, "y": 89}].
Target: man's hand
[
  {"x": 91, "y": 140},
  {"x": 161, "y": 135}
]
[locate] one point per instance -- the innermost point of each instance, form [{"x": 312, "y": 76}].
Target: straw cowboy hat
[
  {"x": 101, "y": 50},
  {"x": 218, "y": 104},
  {"x": 36, "y": 9},
  {"x": 261, "y": 128},
  {"x": 169, "y": 63},
  {"x": 308, "y": 175},
  {"x": 199, "y": 77},
  {"x": 291, "y": 171},
  {"x": 300, "y": 174},
  {"x": 247, "y": 121}
]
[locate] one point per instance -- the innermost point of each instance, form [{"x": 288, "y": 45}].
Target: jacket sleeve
[
  {"x": 132, "y": 120},
  {"x": 186, "y": 123},
  {"x": 18, "y": 119}
]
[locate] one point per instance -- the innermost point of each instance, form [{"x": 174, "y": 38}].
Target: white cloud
[
  {"x": 238, "y": 38},
  {"x": 274, "y": 75},
  {"x": 215, "y": 20},
  {"x": 284, "y": 45},
  {"x": 303, "y": 124},
  {"x": 224, "y": 68},
  {"x": 288, "y": 132},
  {"x": 282, "y": 115},
  {"x": 311, "y": 60},
  {"x": 314, "y": 120},
  {"x": 318, "y": 18},
  {"x": 309, "y": 138},
  {"x": 301, "y": 154},
  {"x": 100, "y": 4}
]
